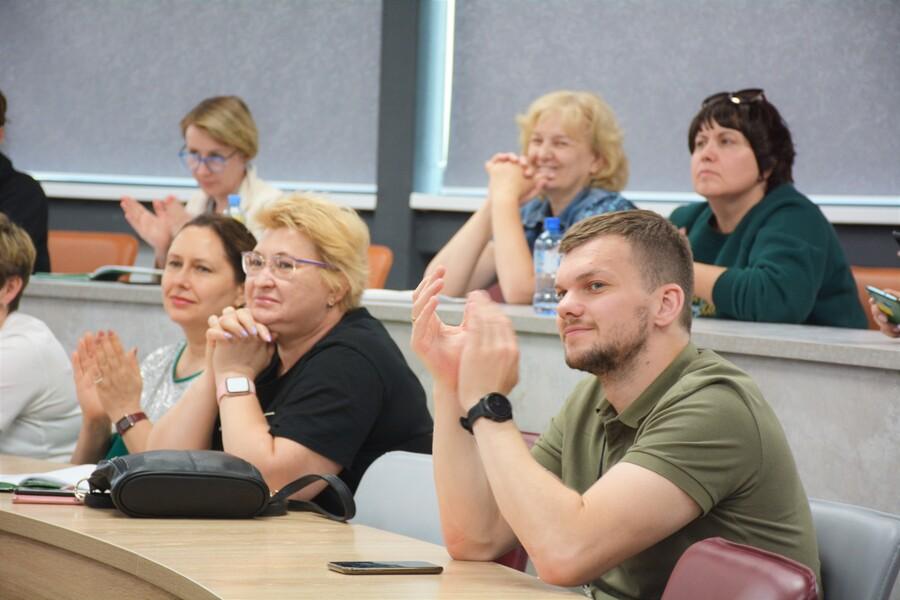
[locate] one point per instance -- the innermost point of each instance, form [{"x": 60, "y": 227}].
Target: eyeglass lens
[{"x": 193, "y": 160}]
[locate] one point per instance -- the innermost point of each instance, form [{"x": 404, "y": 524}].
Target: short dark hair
[
  {"x": 762, "y": 125},
  {"x": 17, "y": 256},
  {"x": 2, "y": 109},
  {"x": 661, "y": 252},
  {"x": 235, "y": 237}
]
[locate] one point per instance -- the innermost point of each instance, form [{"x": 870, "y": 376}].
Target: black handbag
[{"x": 200, "y": 484}]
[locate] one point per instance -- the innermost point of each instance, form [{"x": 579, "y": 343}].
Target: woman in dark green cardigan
[{"x": 762, "y": 250}]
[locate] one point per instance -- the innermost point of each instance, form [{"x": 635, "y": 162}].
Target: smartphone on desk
[
  {"x": 394, "y": 567},
  {"x": 886, "y": 303},
  {"x": 25, "y": 495}
]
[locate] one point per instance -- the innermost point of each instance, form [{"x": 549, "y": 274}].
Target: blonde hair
[
  {"x": 340, "y": 236},
  {"x": 583, "y": 113},
  {"x": 17, "y": 256},
  {"x": 228, "y": 120}
]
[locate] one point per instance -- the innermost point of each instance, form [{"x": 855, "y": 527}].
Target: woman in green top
[
  {"x": 202, "y": 276},
  {"x": 762, "y": 250}
]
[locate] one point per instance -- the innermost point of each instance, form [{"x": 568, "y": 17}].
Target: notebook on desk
[
  {"x": 110, "y": 273},
  {"x": 60, "y": 478},
  {"x": 136, "y": 274}
]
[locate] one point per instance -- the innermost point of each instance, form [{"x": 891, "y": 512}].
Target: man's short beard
[{"x": 613, "y": 358}]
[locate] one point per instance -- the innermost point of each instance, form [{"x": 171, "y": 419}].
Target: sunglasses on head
[{"x": 740, "y": 97}]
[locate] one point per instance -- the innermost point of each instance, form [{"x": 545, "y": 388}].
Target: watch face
[
  {"x": 499, "y": 406},
  {"x": 237, "y": 385}
]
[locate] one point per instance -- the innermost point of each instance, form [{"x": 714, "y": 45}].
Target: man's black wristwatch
[{"x": 494, "y": 406}]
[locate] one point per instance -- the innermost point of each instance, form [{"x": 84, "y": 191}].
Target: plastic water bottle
[
  {"x": 546, "y": 263},
  {"x": 234, "y": 208}
]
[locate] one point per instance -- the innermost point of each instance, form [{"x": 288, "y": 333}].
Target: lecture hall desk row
[{"x": 836, "y": 391}]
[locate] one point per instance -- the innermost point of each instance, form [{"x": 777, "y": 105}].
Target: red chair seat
[{"x": 716, "y": 569}]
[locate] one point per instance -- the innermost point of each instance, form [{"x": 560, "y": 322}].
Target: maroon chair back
[
  {"x": 517, "y": 558},
  {"x": 716, "y": 569}
]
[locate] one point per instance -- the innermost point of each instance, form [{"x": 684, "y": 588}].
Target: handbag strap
[{"x": 278, "y": 504}]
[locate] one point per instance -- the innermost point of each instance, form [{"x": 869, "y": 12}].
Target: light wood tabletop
[{"x": 56, "y": 551}]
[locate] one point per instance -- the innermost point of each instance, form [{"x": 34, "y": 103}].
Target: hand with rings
[
  {"x": 117, "y": 375},
  {"x": 87, "y": 376},
  {"x": 238, "y": 343}
]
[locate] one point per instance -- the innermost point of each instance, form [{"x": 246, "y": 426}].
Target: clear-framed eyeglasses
[
  {"x": 214, "y": 162},
  {"x": 281, "y": 266}
]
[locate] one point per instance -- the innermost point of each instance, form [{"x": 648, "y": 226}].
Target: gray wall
[
  {"x": 829, "y": 66},
  {"x": 99, "y": 86}
]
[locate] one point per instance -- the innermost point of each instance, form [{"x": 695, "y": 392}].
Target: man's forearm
[
  {"x": 542, "y": 512},
  {"x": 472, "y": 525}
]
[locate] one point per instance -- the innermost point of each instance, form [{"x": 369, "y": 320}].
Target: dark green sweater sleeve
[{"x": 783, "y": 273}]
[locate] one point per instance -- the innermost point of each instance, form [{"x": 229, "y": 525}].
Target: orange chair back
[
  {"x": 880, "y": 277},
  {"x": 380, "y": 260},
  {"x": 84, "y": 251},
  {"x": 716, "y": 569}
]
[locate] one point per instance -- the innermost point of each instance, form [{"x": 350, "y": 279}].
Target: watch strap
[
  {"x": 480, "y": 409},
  {"x": 222, "y": 387},
  {"x": 129, "y": 421}
]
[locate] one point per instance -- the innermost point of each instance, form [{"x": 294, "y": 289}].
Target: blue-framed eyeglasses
[
  {"x": 281, "y": 266},
  {"x": 213, "y": 162}
]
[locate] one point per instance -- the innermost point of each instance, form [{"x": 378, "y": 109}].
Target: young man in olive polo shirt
[{"x": 663, "y": 446}]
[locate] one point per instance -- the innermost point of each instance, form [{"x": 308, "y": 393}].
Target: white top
[
  {"x": 39, "y": 412},
  {"x": 255, "y": 194}
]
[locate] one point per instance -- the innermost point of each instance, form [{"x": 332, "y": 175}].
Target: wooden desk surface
[{"x": 58, "y": 551}]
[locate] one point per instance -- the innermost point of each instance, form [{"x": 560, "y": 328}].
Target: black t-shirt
[
  {"x": 351, "y": 398},
  {"x": 22, "y": 200}
]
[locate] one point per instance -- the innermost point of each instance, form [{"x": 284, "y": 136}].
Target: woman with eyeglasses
[
  {"x": 220, "y": 140},
  {"x": 303, "y": 380},
  {"x": 202, "y": 276},
  {"x": 762, "y": 250},
  {"x": 573, "y": 166}
]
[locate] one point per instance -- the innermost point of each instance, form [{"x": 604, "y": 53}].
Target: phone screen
[
  {"x": 395, "y": 567},
  {"x": 25, "y": 496},
  {"x": 37, "y": 491},
  {"x": 887, "y": 303}
]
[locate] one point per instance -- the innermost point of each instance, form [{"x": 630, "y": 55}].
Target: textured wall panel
[{"x": 99, "y": 86}]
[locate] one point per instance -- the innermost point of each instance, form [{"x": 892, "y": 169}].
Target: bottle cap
[
  {"x": 234, "y": 199},
  {"x": 551, "y": 224}
]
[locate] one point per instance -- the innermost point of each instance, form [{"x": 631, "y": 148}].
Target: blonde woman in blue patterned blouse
[{"x": 572, "y": 166}]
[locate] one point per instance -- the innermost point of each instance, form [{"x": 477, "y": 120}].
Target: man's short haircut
[
  {"x": 662, "y": 253},
  {"x": 228, "y": 121},
  {"x": 2, "y": 109},
  {"x": 583, "y": 114},
  {"x": 762, "y": 125},
  {"x": 17, "y": 256},
  {"x": 340, "y": 236}
]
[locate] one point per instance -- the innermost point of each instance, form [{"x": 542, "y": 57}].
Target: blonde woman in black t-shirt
[{"x": 302, "y": 380}]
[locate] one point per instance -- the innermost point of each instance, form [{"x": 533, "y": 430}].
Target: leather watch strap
[{"x": 128, "y": 421}]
